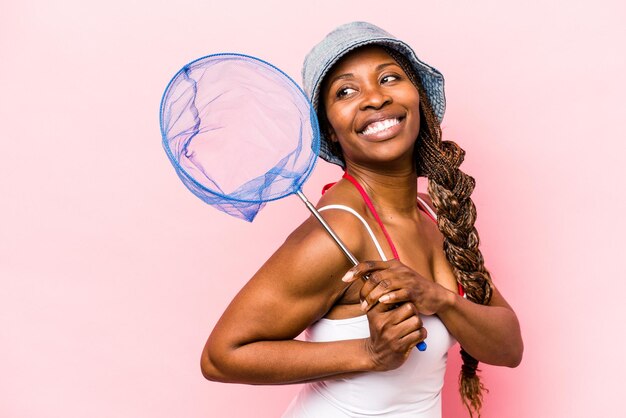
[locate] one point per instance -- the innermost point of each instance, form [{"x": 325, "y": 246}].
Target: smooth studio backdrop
[{"x": 112, "y": 275}]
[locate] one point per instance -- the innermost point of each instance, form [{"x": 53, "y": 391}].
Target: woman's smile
[{"x": 382, "y": 129}]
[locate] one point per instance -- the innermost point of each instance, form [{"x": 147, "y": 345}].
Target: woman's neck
[{"x": 394, "y": 191}]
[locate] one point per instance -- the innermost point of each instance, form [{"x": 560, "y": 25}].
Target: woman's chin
[{"x": 387, "y": 160}]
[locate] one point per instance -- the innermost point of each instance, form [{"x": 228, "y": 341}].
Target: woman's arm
[
  {"x": 253, "y": 342},
  {"x": 490, "y": 333}
]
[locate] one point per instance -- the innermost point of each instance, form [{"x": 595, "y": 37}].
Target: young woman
[{"x": 380, "y": 109}]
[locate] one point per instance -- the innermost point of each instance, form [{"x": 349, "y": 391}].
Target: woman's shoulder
[
  {"x": 343, "y": 205},
  {"x": 341, "y": 209},
  {"x": 342, "y": 195},
  {"x": 309, "y": 262}
]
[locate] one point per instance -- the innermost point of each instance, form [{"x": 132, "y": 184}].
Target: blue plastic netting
[{"x": 239, "y": 132}]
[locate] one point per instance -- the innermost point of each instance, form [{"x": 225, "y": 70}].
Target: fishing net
[{"x": 239, "y": 132}]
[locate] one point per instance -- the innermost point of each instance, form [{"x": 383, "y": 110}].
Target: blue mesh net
[{"x": 239, "y": 132}]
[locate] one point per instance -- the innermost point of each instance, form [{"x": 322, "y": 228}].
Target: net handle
[{"x": 328, "y": 229}]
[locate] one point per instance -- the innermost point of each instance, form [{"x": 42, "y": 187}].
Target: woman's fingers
[
  {"x": 395, "y": 314},
  {"x": 402, "y": 313},
  {"x": 379, "y": 283},
  {"x": 394, "y": 333},
  {"x": 390, "y": 282},
  {"x": 395, "y": 296},
  {"x": 409, "y": 325},
  {"x": 364, "y": 269},
  {"x": 398, "y": 315},
  {"x": 412, "y": 339}
]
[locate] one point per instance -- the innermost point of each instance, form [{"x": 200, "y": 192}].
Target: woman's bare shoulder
[
  {"x": 345, "y": 225},
  {"x": 342, "y": 193},
  {"x": 309, "y": 251}
]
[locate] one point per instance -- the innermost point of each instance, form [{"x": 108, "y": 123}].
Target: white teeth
[{"x": 379, "y": 126}]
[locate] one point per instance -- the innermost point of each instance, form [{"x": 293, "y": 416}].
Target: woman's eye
[
  {"x": 346, "y": 91},
  {"x": 389, "y": 78}
]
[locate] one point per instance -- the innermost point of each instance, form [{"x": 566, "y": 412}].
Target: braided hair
[{"x": 450, "y": 190}]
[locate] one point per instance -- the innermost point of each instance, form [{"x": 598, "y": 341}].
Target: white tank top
[{"x": 412, "y": 390}]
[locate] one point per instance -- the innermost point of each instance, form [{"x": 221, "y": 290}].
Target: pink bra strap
[
  {"x": 328, "y": 186},
  {"x": 370, "y": 205}
]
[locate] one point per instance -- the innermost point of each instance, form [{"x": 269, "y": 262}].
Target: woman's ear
[
  {"x": 327, "y": 129},
  {"x": 330, "y": 134}
]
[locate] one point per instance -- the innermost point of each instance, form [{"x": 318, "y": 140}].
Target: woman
[{"x": 379, "y": 109}]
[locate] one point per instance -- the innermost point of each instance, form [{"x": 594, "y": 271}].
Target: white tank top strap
[
  {"x": 428, "y": 208},
  {"x": 363, "y": 221}
]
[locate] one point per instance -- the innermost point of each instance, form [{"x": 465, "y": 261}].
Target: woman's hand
[
  {"x": 490, "y": 333},
  {"x": 394, "y": 332},
  {"x": 391, "y": 283},
  {"x": 393, "y": 295}
]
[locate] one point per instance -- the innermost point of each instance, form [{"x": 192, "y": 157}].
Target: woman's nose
[{"x": 374, "y": 97}]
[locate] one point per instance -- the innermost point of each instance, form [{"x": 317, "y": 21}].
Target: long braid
[{"x": 450, "y": 190}]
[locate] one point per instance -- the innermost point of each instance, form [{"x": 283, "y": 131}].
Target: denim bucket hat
[{"x": 349, "y": 37}]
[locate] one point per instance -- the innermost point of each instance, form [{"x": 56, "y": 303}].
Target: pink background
[{"x": 112, "y": 274}]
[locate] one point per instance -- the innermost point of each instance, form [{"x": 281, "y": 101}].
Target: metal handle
[{"x": 328, "y": 229}]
